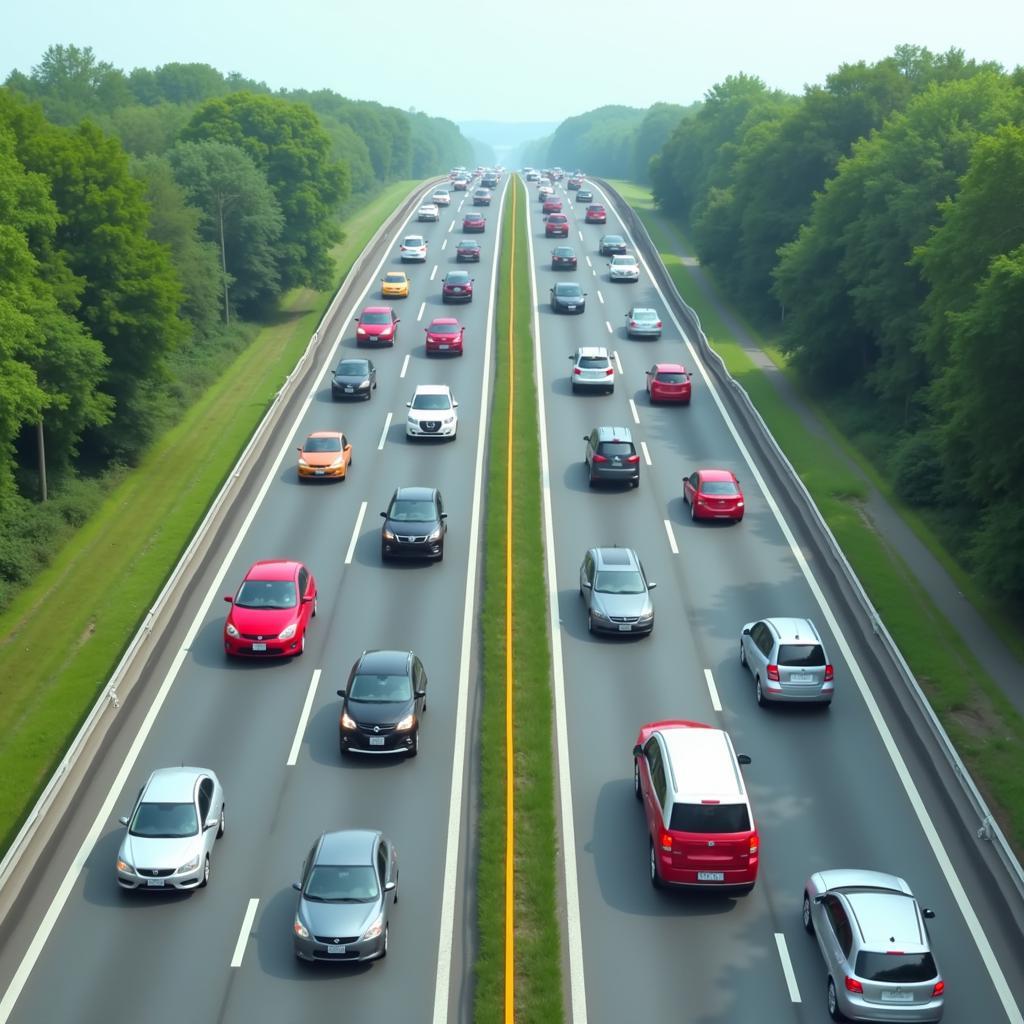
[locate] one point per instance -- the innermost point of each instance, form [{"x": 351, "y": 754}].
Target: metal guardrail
[
  {"x": 987, "y": 828},
  {"x": 110, "y": 700}
]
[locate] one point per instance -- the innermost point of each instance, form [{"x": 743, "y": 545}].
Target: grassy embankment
[
  {"x": 537, "y": 975},
  {"x": 985, "y": 727},
  {"x": 61, "y": 638}
]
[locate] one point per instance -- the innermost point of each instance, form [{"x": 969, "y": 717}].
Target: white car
[
  {"x": 428, "y": 211},
  {"x": 432, "y": 412},
  {"x": 592, "y": 369},
  {"x": 442, "y": 197},
  {"x": 623, "y": 268},
  {"x": 413, "y": 247}
]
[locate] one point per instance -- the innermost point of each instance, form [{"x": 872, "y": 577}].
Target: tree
[{"x": 654, "y": 131}]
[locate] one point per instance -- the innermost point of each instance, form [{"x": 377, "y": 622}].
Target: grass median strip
[
  {"x": 984, "y": 726},
  {"x": 61, "y": 638},
  {"x": 515, "y": 445}
]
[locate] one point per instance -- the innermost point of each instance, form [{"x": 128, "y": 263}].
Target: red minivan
[{"x": 700, "y": 826}]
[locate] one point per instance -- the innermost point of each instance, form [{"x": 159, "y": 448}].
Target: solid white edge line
[
  {"x": 574, "y": 928},
  {"x": 446, "y": 937},
  {"x": 957, "y": 890},
  {"x": 671, "y": 537},
  {"x": 647, "y": 454},
  {"x": 405, "y": 366},
  {"x": 618, "y": 364},
  {"x": 355, "y": 534},
  {"x": 787, "y": 967},
  {"x": 384, "y": 433},
  {"x": 600, "y": 296},
  {"x": 712, "y": 689},
  {"x": 433, "y": 273},
  {"x": 244, "y": 932},
  {"x": 300, "y": 729},
  {"x": 632, "y": 409},
  {"x": 444, "y": 245},
  {"x": 60, "y": 898},
  {"x": 419, "y": 315}
]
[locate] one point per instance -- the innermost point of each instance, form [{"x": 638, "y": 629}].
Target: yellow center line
[{"x": 509, "y": 759}]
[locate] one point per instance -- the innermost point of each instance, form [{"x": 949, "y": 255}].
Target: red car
[
  {"x": 444, "y": 336},
  {"x": 713, "y": 494},
  {"x": 552, "y": 204},
  {"x": 467, "y": 251},
  {"x": 669, "y": 382},
  {"x": 596, "y": 214},
  {"x": 457, "y": 286},
  {"x": 474, "y": 222},
  {"x": 700, "y": 826},
  {"x": 557, "y": 226},
  {"x": 271, "y": 611},
  {"x": 377, "y": 325}
]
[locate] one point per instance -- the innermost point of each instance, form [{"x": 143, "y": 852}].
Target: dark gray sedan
[
  {"x": 612, "y": 245},
  {"x": 354, "y": 378},
  {"x": 349, "y": 884},
  {"x": 568, "y": 297}
]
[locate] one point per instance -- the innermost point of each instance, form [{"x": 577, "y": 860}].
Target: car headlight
[
  {"x": 360, "y": 330},
  {"x": 597, "y": 612},
  {"x": 647, "y": 615},
  {"x": 190, "y": 866},
  {"x": 347, "y": 722},
  {"x": 406, "y": 723},
  {"x": 449, "y": 420},
  {"x": 413, "y": 421},
  {"x": 436, "y": 535},
  {"x": 303, "y": 462},
  {"x": 339, "y": 461},
  {"x": 375, "y": 929},
  {"x": 287, "y": 633},
  {"x": 300, "y": 929},
  {"x": 365, "y": 384},
  {"x": 231, "y": 631},
  {"x": 123, "y": 865},
  {"x": 387, "y": 534}
]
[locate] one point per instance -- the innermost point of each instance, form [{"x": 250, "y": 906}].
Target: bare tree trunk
[{"x": 223, "y": 259}]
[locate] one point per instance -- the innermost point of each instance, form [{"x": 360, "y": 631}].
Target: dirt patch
[
  {"x": 979, "y": 720},
  {"x": 87, "y": 635}
]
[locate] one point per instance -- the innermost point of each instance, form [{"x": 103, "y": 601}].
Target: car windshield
[
  {"x": 393, "y": 278},
  {"x": 644, "y": 314},
  {"x": 342, "y": 883},
  {"x": 474, "y": 217},
  {"x": 469, "y": 245},
  {"x": 413, "y": 242},
  {"x": 622, "y": 582},
  {"x": 666, "y": 377},
  {"x": 896, "y": 968},
  {"x": 444, "y": 328},
  {"x": 708, "y": 818},
  {"x": 614, "y": 240},
  {"x": 593, "y": 362},
  {"x": 616, "y": 448},
  {"x": 266, "y": 594},
  {"x": 595, "y": 209},
  {"x": 623, "y": 261},
  {"x": 457, "y": 277},
  {"x": 376, "y": 319},
  {"x": 431, "y": 402},
  {"x": 322, "y": 444},
  {"x": 802, "y": 655},
  {"x": 407, "y": 510},
  {"x": 380, "y": 689},
  {"x": 571, "y": 291},
  {"x": 352, "y": 368},
  {"x": 564, "y": 250},
  {"x": 164, "y": 821},
  {"x": 719, "y": 488}
]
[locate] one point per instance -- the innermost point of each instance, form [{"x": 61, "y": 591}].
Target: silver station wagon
[{"x": 787, "y": 660}]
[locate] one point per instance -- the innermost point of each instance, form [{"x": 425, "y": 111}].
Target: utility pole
[{"x": 42, "y": 458}]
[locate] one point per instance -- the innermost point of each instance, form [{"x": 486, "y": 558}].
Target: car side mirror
[
  {"x": 383, "y": 515},
  {"x": 651, "y": 586},
  {"x": 297, "y": 886},
  {"x": 307, "y": 600},
  {"x": 746, "y": 632},
  {"x": 587, "y": 585},
  {"x": 455, "y": 405},
  {"x": 229, "y": 598},
  {"x": 928, "y": 913},
  {"x": 638, "y": 751},
  {"x": 586, "y": 437},
  {"x": 817, "y": 900},
  {"x": 124, "y": 820},
  {"x": 389, "y": 886},
  {"x": 299, "y": 449},
  {"x": 743, "y": 758},
  {"x": 420, "y": 694},
  {"x": 399, "y": 320},
  {"x": 444, "y": 515},
  {"x": 408, "y": 405},
  {"x": 211, "y": 823},
  {"x": 341, "y": 693}
]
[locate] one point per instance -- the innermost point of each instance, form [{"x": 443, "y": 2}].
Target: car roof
[
  {"x": 643, "y": 311},
  {"x": 440, "y": 321},
  {"x": 432, "y": 389},
  {"x": 457, "y": 273},
  {"x": 474, "y": 216},
  {"x": 792, "y": 630},
  {"x": 624, "y": 257},
  {"x": 173, "y": 785},
  {"x": 324, "y": 433},
  {"x": 391, "y": 662},
  {"x": 702, "y": 765},
  {"x": 273, "y": 569},
  {"x": 375, "y": 309},
  {"x": 616, "y": 559},
  {"x": 669, "y": 368},
  {"x": 415, "y": 493},
  {"x": 353, "y": 846},
  {"x": 592, "y": 351},
  {"x": 469, "y": 241},
  {"x": 396, "y": 273},
  {"x": 614, "y": 434},
  {"x": 716, "y": 474},
  {"x": 886, "y": 918}
]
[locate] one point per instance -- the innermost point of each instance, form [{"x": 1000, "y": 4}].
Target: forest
[{"x": 149, "y": 221}]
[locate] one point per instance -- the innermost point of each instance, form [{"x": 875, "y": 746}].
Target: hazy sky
[{"x": 526, "y": 62}]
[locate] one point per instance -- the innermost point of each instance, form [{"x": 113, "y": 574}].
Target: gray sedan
[
  {"x": 349, "y": 883},
  {"x": 643, "y": 323},
  {"x": 616, "y": 592}
]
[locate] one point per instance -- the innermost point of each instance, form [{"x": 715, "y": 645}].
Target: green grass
[
  {"x": 61, "y": 638},
  {"x": 538, "y": 985},
  {"x": 984, "y": 726}
]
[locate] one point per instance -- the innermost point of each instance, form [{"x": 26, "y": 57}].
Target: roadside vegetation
[{"x": 538, "y": 984}]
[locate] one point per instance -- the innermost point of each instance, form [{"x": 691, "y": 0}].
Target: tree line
[{"x": 147, "y": 221}]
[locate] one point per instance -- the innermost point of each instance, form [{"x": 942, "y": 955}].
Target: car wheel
[
  {"x": 384, "y": 948},
  {"x": 743, "y": 655},
  {"x": 637, "y": 792},
  {"x": 383, "y": 554},
  {"x": 808, "y": 923},
  {"x": 833, "y": 1002},
  {"x": 693, "y": 511},
  {"x": 590, "y": 623},
  {"x": 316, "y": 602},
  {"x": 591, "y": 481},
  {"x": 341, "y": 748},
  {"x": 574, "y": 389},
  {"x": 440, "y": 554},
  {"x": 415, "y": 748},
  {"x": 206, "y": 873},
  {"x": 636, "y": 483},
  {"x": 221, "y": 824},
  {"x": 302, "y": 645},
  {"x": 655, "y": 877},
  {"x": 759, "y": 693}
]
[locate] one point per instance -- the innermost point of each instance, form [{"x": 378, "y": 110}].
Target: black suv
[
  {"x": 611, "y": 455},
  {"x": 414, "y": 525}
]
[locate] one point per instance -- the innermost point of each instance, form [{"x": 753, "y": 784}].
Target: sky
[{"x": 531, "y": 62}]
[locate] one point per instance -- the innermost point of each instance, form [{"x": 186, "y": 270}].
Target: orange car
[{"x": 326, "y": 454}]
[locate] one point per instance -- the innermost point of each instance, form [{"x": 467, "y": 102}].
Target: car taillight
[
  {"x": 632, "y": 323},
  {"x": 828, "y": 673},
  {"x": 939, "y": 989},
  {"x": 609, "y": 371},
  {"x": 658, "y": 324},
  {"x": 773, "y": 673},
  {"x": 754, "y": 845},
  {"x": 577, "y": 370},
  {"x": 600, "y": 458},
  {"x": 853, "y": 985},
  {"x": 633, "y": 458},
  {"x": 666, "y": 841}
]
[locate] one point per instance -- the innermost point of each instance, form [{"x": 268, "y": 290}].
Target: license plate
[
  {"x": 710, "y": 876},
  {"x": 318, "y": 472},
  {"x": 376, "y": 741},
  {"x": 800, "y": 679},
  {"x": 259, "y": 647},
  {"x": 442, "y": 348},
  {"x": 336, "y": 949},
  {"x": 897, "y": 997},
  {"x": 625, "y": 627},
  {"x": 570, "y": 308},
  {"x": 349, "y": 390},
  {"x": 155, "y": 883}
]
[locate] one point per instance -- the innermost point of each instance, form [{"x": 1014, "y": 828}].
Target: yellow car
[
  {"x": 326, "y": 454},
  {"x": 395, "y": 284}
]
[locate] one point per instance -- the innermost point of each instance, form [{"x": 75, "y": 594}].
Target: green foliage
[
  {"x": 653, "y": 132},
  {"x": 600, "y": 141}
]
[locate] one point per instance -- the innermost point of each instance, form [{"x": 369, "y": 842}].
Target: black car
[
  {"x": 382, "y": 704},
  {"x": 568, "y": 297},
  {"x": 563, "y": 257},
  {"x": 612, "y": 245},
  {"x": 354, "y": 378},
  {"x": 584, "y": 195},
  {"x": 467, "y": 251},
  {"x": 414, "y": 525}
]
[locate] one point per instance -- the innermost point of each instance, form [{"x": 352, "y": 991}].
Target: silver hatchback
[
  {"x": 787, "y": 660},
  {"x": 874, "y": 940},
  {"x": 616, "y": 592}
]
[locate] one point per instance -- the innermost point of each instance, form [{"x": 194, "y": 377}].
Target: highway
[
  {"x": 92, "y": 954},
  {"x": 824, "y": 788}
]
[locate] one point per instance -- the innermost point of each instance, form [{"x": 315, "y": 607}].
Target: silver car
[
  {"x": 349, "y": 883},
  {"x": 873, "y": 937},
  {"x": 624, "y": 268},
  {"x": 642, "y": 322},
  {"x": 787, "y": 660},
  {"x": 616, "y": 592},
  {"x": 178, "y": 816},
  {"x": 592, "y": 370}
]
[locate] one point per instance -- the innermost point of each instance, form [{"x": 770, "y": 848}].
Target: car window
[
  {"x": 896, "y": 968},
  {"x": 377, "y": 318},
  {"x": 342, "y": 883},
  {"x": 802, "y": 655},
  {"x": 666, "y": 377},
  {"x": 706, "y": 818},
  {"x": 593, "y": 362},
  {"x": 304, "y": 575},
  {"x": 352, "y": 368},
  {"x": 205, "y": 798},
  {"x": 382, "y": 864},
  {"x": 840, "y": 923},
  {"x": 409, "y": 510},
  {"x": 267, "y": 594},
  {"x": 371, "y": 688},
  {"x": 616, "y": 448},
  {"x": 164, "y": 820},
  {"x": 431, "y": 402},
  {"x": 657, "y": 766},
  {"x": 719, "y": 488},
  {"x": 322, "y": 444}
]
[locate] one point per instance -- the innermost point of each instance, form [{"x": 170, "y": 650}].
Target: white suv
[
  {"x": 432, "y": 412},
  {"x": 413, "y": 247},
  {"x": 623, "y": 268},
  {"x": 592, "y": 370}
]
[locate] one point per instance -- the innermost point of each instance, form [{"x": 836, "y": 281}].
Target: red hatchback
[
  {"x": 596, "y": 214},
  {"x": 552, "y": 205},
  {"x": 474, "y": 222},
  {"x": 271, "y": 611},
  {"x": 557, "y": 226},
  {"x": 701, "y": 830},
  {"x": 669, "y": 382},
  {"x": 713, "y": 494},
  {"x": 377, "y": 325},
  {"x": 444, "y": 336}
]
